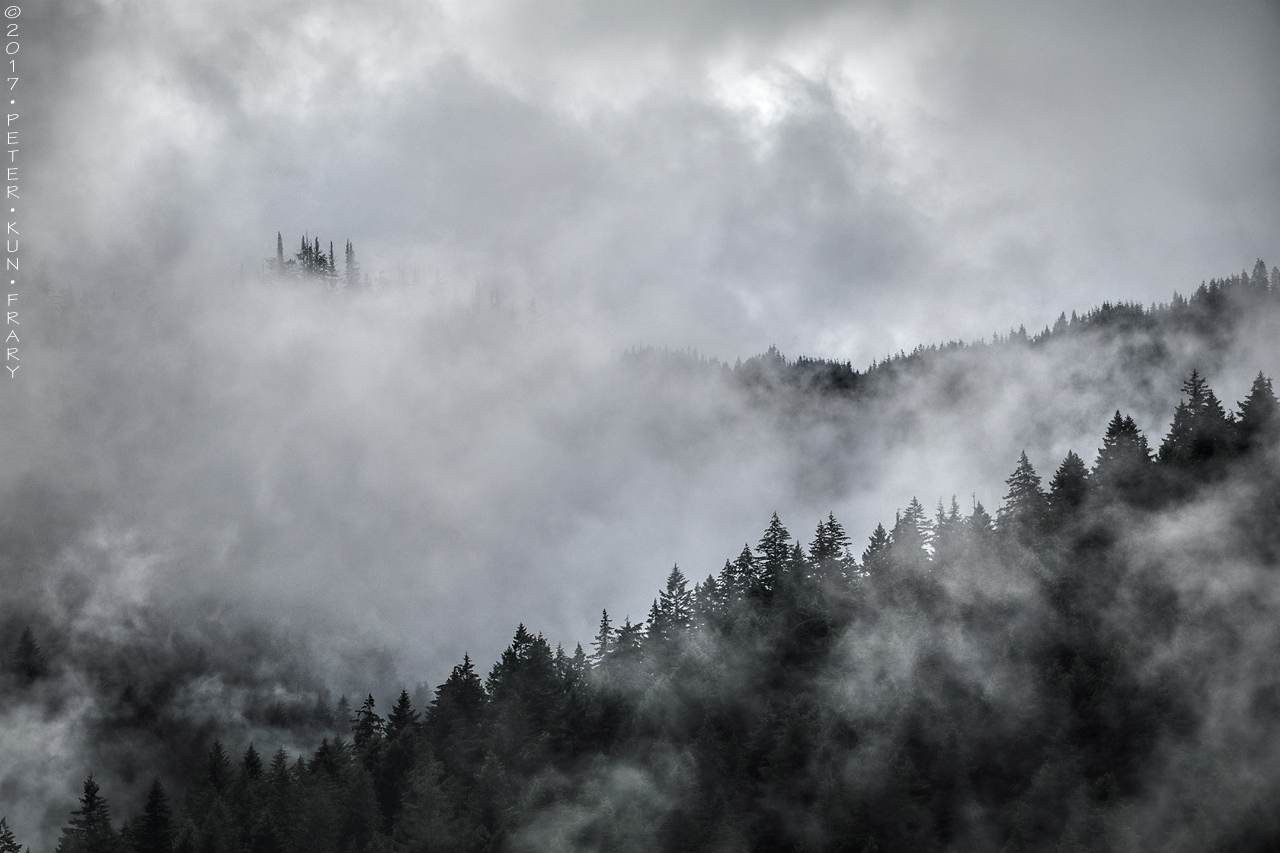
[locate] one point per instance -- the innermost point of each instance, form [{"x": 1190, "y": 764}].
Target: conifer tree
[
  {"x": 910, "y": 534},
  {"x": 829, "y": 550},
  {"x": 29, "y": 662},
  {"x": 1123, "y": 465},
  {"x": 773, "y": 551},
  {"x": 90, "y": 829},
  {"x": 402, "y": 717},
  {"x": 1067, "y": 490},
  {"x": 947, "y": 536},
  {"x": 367, "y": 726},
  {"x": 979, "y": 524},
  {"x": 352, "y": 269},
  {"x": 153, "y": 830},
  {"x": 217, "y": 768},
  {"x": 8, "y": 843},
  {"x": 251, "y": 764},
  {"x": 1259, "y": 422},
  {"x": 1024, "y": 505},
  {"x": 603, "y": 643},
  {"x": 1200, "y": 429},
  {"x": 676, "y": 602},
  {"x": 874, "y": 558}
]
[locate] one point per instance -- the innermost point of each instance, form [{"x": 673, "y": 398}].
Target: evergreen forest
[{"x": 1048, "y": 674}]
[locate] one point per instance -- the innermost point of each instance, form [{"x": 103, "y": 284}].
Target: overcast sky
[{"x": 839, "y": 179}]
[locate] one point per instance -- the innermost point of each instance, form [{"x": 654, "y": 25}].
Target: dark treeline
[
  {"x": 968, "y": 682},
  {"x": 1210, "y": 313}
]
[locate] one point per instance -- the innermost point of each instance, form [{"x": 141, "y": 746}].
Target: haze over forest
[{"x": 583, "y": 228}]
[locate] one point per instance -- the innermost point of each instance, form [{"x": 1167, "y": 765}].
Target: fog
[{"x": 373, "y": 484}]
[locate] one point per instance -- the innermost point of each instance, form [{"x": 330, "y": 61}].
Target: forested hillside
[
  {"x": 1088, "y": 665},
  {"x": 1069, "y": 673}
]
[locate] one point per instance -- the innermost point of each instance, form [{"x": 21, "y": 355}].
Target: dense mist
[{"x": 230, "y": 496}]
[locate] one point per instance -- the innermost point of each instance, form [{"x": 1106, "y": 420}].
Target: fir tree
[
  {"x": 1259, "y": 422},
  {"x": 8, "y": 843},
  {"x": 29, "y": 663},
  {"x": 603, "y": 643},
  {"x": 367, "y": 726},
  {"x": 875, "y": 557},
  {"x": 676, "y": 602},
  {"x": 773, "y": 551},
  {"x": 352, "y": 269},
  {"x": 251, "y": 764},
  {"x": 1067, "y": 490},
  {"x": 910, "y": 534},
  {"x": 1123, "y": 466},
  {"x": 90, "y": 829},
  {"x": 153, "y": 830},
  {"x": 402, "y": 717},
  {"x": 1200, "y": 429},
  {"x": 1024, "y": 505}
]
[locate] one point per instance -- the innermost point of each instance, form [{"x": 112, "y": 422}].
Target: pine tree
[
  {"x": 875, "y": 557},
  {"x": 352, "y": 268},
  {"x": 217, "y": 768},
  {"x": 342, "y": 711},
  {"x": 153, "y": 830},
  {"x": 1200, "y": 429},
  {"x": 979, "y": 525},
  {"x": 366, "y": 726},
  {"x": 1067, "y": 490},
  {"x": 251, "y": 764},
  {"x": 402, "y": 717},
  {"x": 828, "y": 553},
  {"x": 603, "y": 643},
  {"x": 1123, "y": 466},
  {"x": 910, "y": 534},
  {"x": 29, "y": 663},
  {"x": 8, "y": 843},
  {"x": 1259, "y": 422},
  {"x": 676, "y": 602},
  {"x": 90, "y": 829},
  {"x": 944, "y": 534},
  {"x": 1024, "y": 505},
  {"x": 773, "y": 551}
]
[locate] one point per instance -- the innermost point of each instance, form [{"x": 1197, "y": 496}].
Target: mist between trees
[{"x": 1087, "y": 665}]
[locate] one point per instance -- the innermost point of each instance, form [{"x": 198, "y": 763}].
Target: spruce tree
[
  {"x": 875, "y": 557},
  {"x": 90, "y": 829},
  {"x": 910, "y": 534},
  {"x": 676, "y": 602},
  {"x": 153, "y": 830},
  {"x": 1123, "y": 466},
  {"x": 367, "y": 726},
  {"x": 8, "y": 843},
  {"x": 251, "y": 764},
  {"x": 603, "y": 643},
  {"x": 773, "y": 551},
  {"x": 352, "y": 268},
  {"x": 29, "y": 663},
  {"x": 1024, "y": 506},
  {"x": 1067, "y": 490},
  {"x": 402, "y": 717},
  {"x": 1259, "y": 421}
]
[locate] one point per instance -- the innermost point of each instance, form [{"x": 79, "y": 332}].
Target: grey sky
[{"x": 839, "y": 179}]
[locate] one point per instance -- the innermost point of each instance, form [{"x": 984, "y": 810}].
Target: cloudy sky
[{"x": 838, "y": 179}]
